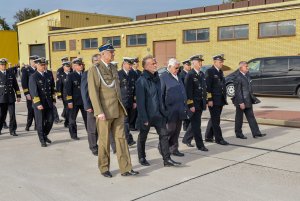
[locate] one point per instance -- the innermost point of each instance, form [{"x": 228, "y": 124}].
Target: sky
[{"x": 128, "y": 8}]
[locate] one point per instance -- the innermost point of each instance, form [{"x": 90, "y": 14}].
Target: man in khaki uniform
[{"x": 105, "y": 95}]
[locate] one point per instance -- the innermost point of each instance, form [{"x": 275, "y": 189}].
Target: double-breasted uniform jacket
[
  {"x": 173, "y": 97},
  {"x": 216, "y": 87},
  {"x": 105, "y": 97},
  {"x": 26, "y": 73},
  {"x": 195, "y": 87},
  {"x": 243, "y": 90},
  {"x": 72, "y": 89},
  {"x": 127, "y": 85},
  {"x": 41, "y": 89},
  {"x": 9, "y": 88}
]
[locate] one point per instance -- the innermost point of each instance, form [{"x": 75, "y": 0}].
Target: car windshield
[{"x": 254, "y": 66}]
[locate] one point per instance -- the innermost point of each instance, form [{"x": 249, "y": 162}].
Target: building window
[
  {"x": 90, "y": 43},
  {"x": 115, "y": 40},
  {"x": 59, "y": 45},
  {"x": 234, "y": 32},
  {"x": 137, "y": 40},
  {"x": 196, "y": 35},
  {"x": 277, "y": 29}
]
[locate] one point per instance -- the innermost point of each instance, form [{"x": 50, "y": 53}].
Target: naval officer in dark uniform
[
  {"x": 195, "y": 87},
  {"x": 74, "y": 98},
  {"x": 41, "y": 87},
  {"x": 26, "y": 73},
  {"x": 127, "y": 85},
  {"x": 216, "y": 95},
  {"x": 9, "y": 90}
]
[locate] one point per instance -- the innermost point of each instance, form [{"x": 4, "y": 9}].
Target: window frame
[
  {"x": 89, "y": 48},
  {"x": 233, "y": 32},
  {"x": 112, "y": 40},
  {"x": 138, "y": 45},
  {"x": 58, "y": 50},
  {"x": 277, "y": 36},
  {"x": 196, "y": 41}
]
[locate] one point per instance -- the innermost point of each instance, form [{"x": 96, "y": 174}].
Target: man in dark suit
[
  {"x": 243, "y": 100},
  {"x": 151, "y": 112},
  {"x": 74, "y": 98},
  {"x": 216, "y": 96},
  {"x": 26, "y": 73},
  {"x": 127, "y": 82},
  {"x": 9, "y": 90},
  {"x": 133, "y": 113},
  {"x": 195, "y": 87},
  {"x": 41, "y": 87},
  {"x": 60, "y": 70},
  {"x": 174, "y": 103}
]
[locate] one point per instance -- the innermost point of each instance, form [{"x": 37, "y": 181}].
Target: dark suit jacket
[
  {"x": 26, "y": 73},
  {"x": 216, "y": 87},
  {"x": 173, "y": 97},
  {"x": 243, "y": 90},
  {"x": 127, "y": 85},
  {"x": 84, "y": 91},
  {"x": 182, "y": 75},
  {"x": 72, "y": 89}
]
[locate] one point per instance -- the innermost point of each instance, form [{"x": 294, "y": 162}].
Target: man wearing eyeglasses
[{"x": 174, "y": 103}]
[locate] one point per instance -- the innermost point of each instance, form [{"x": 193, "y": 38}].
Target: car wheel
[
  {"x": 230, "y": 89},
  {"x": 298, "y": 92}
]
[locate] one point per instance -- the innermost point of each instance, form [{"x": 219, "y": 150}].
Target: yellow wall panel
[{"x": 9, "y": 46}]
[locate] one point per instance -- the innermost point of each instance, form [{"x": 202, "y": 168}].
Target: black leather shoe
[
  {"x": 27, "y": 128},
  {"x": 95, "y": 153},
  {"x": 133, "y": 129},
  {"x": 5, "y": 125},
  {"x": 48, "y": 140},
  {"x": 75, "y": 138},
  {"x": 170, "y": 163},
  {"x": 43, "y": 144},
  {"x": 188, "y": 144},
  {"x": 178, "y": 153},
  {"x": 209, "y": 140},
  {"x": 259, "y": 135},
  {"x": 241, "y": 136},
  {"x": 222, "y": 142},
  {"x": 13, "y": 133},
  {"x": 107, "y": 174},
  {"x": 130, "y": 173},
  {"x": 202, "y": 148},
  {"x": 144, "y": 162},
  {"x": 131, "y": 143}
]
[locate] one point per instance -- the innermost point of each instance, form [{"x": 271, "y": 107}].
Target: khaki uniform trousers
[{"x": 116, "y": 128}]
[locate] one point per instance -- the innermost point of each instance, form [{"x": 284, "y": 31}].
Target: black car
[{"x": 272, "y": 76}]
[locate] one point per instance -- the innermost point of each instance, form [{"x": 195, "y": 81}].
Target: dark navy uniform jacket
[
  {"x": 127, "y": 85},
  {"x": 9, "y": 88},
  {"x": 173, "y": 97},
  {"x": 195, "y": 87},
  {"x": 87, "y": 104},
  {"x": 216, "y": 87},
  {"x": 60, "y": 83},
  {"x": 26, "y": 73},
  {"x": 41, "y": 89},
  {"x": 72, "y": 89},
  {"x": 182, "y": 75}
]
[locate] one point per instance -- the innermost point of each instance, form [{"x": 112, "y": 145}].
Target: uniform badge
[
  {"x": 195, "y": 79},
  {"x": 41, "y": 81},
  {"x": 216, "y": 76}
]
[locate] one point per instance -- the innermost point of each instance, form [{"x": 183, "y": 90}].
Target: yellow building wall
[
  {"x": 73, "y": 19},
  {"x": 34, "y": 32},
  {"x": 235, "y": 50},
  {"x": 9, "y": 46}
]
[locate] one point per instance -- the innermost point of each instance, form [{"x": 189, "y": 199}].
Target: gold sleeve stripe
[
  {"x": 58, "y": 93},
  {"x": 189, "y": 102},
  {"x": 18, "y": 92},
  {"x": 36, "y": 99},
  {"x": 69, "y": 97},
  {"x": 209, "y": 95},
  {"x": 25, "y": 90}
]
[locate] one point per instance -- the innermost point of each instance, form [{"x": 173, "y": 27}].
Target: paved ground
[{"x": 252, "y": 169}]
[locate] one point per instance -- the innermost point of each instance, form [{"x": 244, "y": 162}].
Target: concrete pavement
[{"x": 253, "y": 169}]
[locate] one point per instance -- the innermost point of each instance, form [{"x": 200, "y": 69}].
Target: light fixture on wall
[{"x": 122, "y": 36}]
